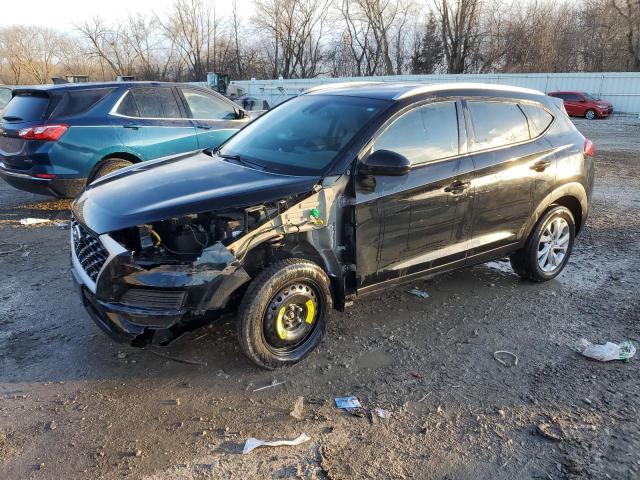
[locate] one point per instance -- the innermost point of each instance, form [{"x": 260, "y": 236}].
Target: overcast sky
[{"x": 63, "y": 14}]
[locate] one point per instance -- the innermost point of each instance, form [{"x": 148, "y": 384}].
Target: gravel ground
[{"x": 76, "y": 405}]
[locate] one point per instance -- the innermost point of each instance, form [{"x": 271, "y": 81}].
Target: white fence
[{"x": 621, "y": 89}]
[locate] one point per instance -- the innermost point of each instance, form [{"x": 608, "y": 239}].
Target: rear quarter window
[
  {"x": 496, "y": 124},
  {"x": 76, "y": 102},
  {"x": 26, "y": 107},
  {"x": 539, "y": 119}
]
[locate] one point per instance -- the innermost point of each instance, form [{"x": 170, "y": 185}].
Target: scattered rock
[
  {"x": 550, "y": 431},
  {"x": 298, "y": 407},
  {"x": 122, "y": 355},
  {"x": 52, "y": 425}
]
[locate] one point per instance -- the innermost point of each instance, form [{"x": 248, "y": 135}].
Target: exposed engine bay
[{"x": 185, "y": 239}]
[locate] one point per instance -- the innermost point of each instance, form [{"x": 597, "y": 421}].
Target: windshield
[
  {"x": 5, "y": 96},
  {"x": 591, "y": 97},
  {"x": 304, "y": 135}
]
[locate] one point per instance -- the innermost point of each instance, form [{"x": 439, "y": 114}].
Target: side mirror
[
  {"x": 384, "y": 163},
  {"x": 240, "y": 114}
]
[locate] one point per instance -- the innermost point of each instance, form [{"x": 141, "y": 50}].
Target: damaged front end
[{"x": 150, "y": 283}]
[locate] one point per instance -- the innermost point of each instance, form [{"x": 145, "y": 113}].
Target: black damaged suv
[{"x": 339, "y": 192}]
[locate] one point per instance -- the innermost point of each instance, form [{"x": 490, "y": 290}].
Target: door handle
[
  {"x": 132, "y": 126},
  {"x": 541, "y": 165},
  {"x": 204, "y": 127},
  {"x": 457, "y": 187}
]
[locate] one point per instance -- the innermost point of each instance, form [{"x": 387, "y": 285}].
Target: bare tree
[
  {"x": 31, "y": 53},
  {"x": 629, "y": 10},
  {"x": 192, "y": 27},
  {"x": 459, "y": 29},
  {"x": 294, "y": 30}
]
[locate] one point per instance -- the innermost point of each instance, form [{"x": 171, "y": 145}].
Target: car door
[
  {"x": 214, "y": 118},
  {"x": 151, "y": 123},
  {"x": 418, "y": 221},
  {"x": 506, "y": 165},
  {"x": 574, "y": 104}
]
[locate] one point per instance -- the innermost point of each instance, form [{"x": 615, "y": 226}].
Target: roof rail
[
  {"x": 331, "y": 86},
  {"x": 434, "y": 87}
]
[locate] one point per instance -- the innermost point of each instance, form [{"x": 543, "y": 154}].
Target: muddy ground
[{"x": 75, "y": 405}]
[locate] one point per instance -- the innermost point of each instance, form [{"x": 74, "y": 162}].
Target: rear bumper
[{"x": 57, "y": 187}]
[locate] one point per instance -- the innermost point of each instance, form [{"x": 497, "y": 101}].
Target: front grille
[
  {"x": 89, "y": 249},
  {"x": 155, "y": 299}
]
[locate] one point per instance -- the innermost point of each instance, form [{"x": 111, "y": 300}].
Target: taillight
[
  {"x": 47, "y": 176},
  {"x": 589, "y": 148},
  {"x": 45, "y": 133}
]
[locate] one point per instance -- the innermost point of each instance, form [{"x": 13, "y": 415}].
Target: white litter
[
  {"x": 607, "y": 352},
  {"x": 33, "y": 221},
  {"x": 382, "y": 413},
  {"x": 253, "y": 443}
]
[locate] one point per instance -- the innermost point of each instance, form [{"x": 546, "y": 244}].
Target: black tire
[
  {"x": 110, "y": 166},
  {"x": 284, "y": 281},
  {"x": 525, "y": 261},
  {"x": 590, "y": 114}
]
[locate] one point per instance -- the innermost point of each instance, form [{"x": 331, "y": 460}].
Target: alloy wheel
[{"x": 553, "y": 244}]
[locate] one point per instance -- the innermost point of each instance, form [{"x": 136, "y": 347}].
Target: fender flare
[{"x": 574, "y": 189}]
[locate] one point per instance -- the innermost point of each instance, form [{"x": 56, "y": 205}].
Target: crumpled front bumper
[{"x": 156, "y": 305}]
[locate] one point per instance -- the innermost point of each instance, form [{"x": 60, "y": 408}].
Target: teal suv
[{"x": 56, "y": 139}]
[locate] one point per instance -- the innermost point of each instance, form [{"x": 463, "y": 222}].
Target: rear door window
[
  {"x": 539, "y": 119},
  {"x": 207, "y": 107},
  {"x": 426, "y": 133},
  {"x": 26, "y": 107},
  {"x": 150, "y": 103},
  {"x": 496, "y": 124}
]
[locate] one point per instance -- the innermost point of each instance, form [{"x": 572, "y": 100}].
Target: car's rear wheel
[
  {"x": 283, "y": 314},
  {"x": 548, "y": 248},
  {"x": 590, "y": 114},
  {"x": 109, "y": 166}
]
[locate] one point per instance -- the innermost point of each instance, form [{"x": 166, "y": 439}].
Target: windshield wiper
[{"x": 237, "y": 158}]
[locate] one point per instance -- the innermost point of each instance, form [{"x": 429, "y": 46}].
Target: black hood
[{"x": 186, "y": 184}]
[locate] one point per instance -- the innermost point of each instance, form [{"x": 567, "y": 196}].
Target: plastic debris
[
  {"x": 253, "y": 443},
  {"x": 274, "y": 383},
  {"x": 607, "y": 352},
  {"x": 347, "y": 403},
  {"x": 382, "y": 413},
  {"x": 418, "y": 293},
  {"x": 33, "y": 221},
  {"x": 508, "y": 353}
]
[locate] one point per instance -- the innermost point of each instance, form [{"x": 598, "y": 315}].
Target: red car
[{"x": 581, "y": 104}]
